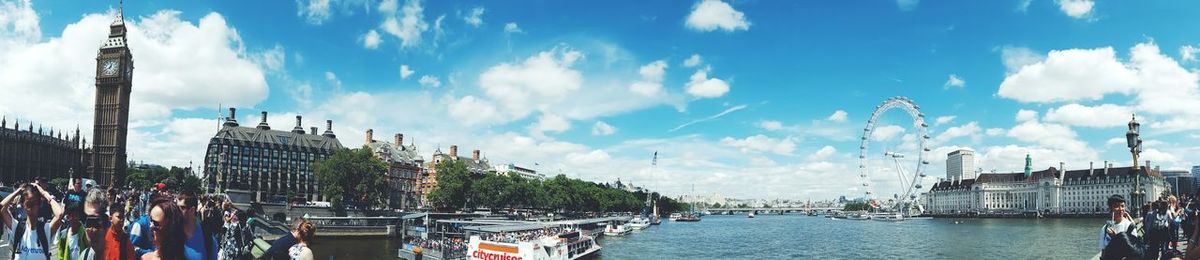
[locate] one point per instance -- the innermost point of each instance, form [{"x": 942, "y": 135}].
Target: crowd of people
[
  {"x": 527, "y": 235},
  {"x": 1166, "y": 223},
  {"x": 85, "y": 222}
]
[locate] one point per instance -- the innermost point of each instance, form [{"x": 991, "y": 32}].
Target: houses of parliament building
[{"x": 26, "y": 154}]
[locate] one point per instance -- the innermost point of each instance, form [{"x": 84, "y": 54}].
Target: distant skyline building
[
  {"x": 524, "y": 172},
  {"x": 1182, "y": 182},
  {"x": 260, "y": 164},
  {"x": 960, "y": 165}
]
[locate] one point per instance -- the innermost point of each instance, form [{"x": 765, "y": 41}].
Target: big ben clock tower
[{"x": 114, "y": 77}]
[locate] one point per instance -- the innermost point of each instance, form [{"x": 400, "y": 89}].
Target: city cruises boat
[
  {"x": 859, "y": 216},
  {"x": 674, "y": 216},
  {"x": 613, "y": 229},
  {"x": 567, "y": 246},
  {"x": 888, "y": 216}
]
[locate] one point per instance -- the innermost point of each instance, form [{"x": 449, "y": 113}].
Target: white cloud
[
  {"x": 602, "y": 128},
  {"x": 652, "y": 76},
  {"x": 954, "y": 81},
  {"x": 405, "y": 71},
  {"x": 702, "y": 86},
  {"x": 1069, "y": 75},
  {"x": 907, "y": 5},
  {"x": 1047, "y": 135},
  {"x": 1188, "y": 53},
  {"x": 838, "y": 116},
  {"x": 770, "y": 125},
  {"x": 512, "y": 27},
  {"x": 710, "y": 15},
  {"x": 273, "y": 59},
  {"x": 1106, "y": 115},
  {"x": 473, "y": 111},
  {"x": 314, "y": 12},
  {"x": 1076, "y": 8},
  {"x": 551, "y": 123},
  {"x": 1015, "y": 58},
  {"x": 409, "y": 26},
  {"x": 943, "y": 119},
  {"x": 18, "y": 23},
  {"x": 371, "y": 40},
  {"x": 761, "y": 143},
  {"x": 541, "y": 79},
  {"x": 389, "y": 7},
  {"x": 887, "y": 132},
  {"x": 822, "y": 153},
  {"x": 996, "y": 131},
  {"x": 692, "y": 61},
  {"x": 1158, "y": 84},
  {"x": 970, "y": 129},
  {"x": 1026, "y": 115},
  {"x": 1157, "y": 157},
  {"x": 430, "y": 81},
  {"x": 475, "y": 18}
]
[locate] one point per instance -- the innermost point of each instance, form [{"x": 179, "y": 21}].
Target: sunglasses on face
[
  {"x": 155, "y": 226},
  {"x": 96, "y": 221}
]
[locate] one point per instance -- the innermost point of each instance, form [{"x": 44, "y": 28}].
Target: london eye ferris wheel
[{"x": 908, "y": 183}]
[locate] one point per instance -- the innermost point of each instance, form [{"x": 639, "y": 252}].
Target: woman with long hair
[
  {"x": 303, "y": 231},
  {"x": 166, "y": 222}
]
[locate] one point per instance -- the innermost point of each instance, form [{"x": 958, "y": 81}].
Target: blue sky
[{"x": 593, "y": 89}]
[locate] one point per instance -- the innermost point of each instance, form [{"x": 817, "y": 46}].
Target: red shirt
[{"x": 113, "y": 244}]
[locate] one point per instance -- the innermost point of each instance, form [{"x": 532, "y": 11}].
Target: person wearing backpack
[
  {"x": 1158, "y": 229},
  {"x": 30, "y": 236}
]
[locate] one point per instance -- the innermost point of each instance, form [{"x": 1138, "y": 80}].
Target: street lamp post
[{"x": 1133, "y": 140}]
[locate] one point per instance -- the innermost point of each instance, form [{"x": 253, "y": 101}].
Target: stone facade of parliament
[{"x": 29, "y": 153}]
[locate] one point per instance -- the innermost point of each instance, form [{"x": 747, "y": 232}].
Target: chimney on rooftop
[
  {"x": 399, "y": 139},
  {"x": 1106, "y": 166},
  {"x": 329, "y": 129},
  {"x": 475, "y": 155},
  {"x": 370, "y": 135},
  {"x": 232, "y": 119},
  {"x": 1091, "y": 168},
  {"x": 263, "y": 125},
  {"x": 314, "y": 130},
  {"x": 1147, "y": 164},
  {"x": 453, "y": 152},
  {"x": 298, "y": 129}
]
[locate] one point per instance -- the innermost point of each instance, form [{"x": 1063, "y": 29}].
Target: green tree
[
  {"x": 453, "y": 185},
  {"x": 492, "y": 191},
  {"x": 353, "y": 175}
]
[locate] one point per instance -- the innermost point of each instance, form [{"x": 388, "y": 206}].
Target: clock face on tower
[{"x": 108, "y": 68}]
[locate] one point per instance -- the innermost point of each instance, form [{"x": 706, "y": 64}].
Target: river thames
[{"x": 804, "y": 237}]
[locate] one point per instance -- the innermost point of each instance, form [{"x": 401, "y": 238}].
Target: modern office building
[
  {"x": 1182, "y": 182},
  {"x": 260, "y": 164},
  {"x": 960, "y": 165}
]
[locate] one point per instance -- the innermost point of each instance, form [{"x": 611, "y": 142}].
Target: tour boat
[
  {"x": 639, "y": 223},
  {"x": 674, "y": 216},
  {"x": 613, "y": 229},
  {"x": 689, "y": 218},
  {"x": 888, "y": 216},
  {"x": 567, "y": 246},
  {"x": 859, "y": 216}
]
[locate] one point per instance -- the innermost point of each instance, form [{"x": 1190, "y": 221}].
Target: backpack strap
[
  {"x": 18, "y": 235},
  {"x": 41, "y": 230}
]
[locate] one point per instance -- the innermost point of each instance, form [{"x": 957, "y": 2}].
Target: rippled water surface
[{"x": 804, "y": 237}]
